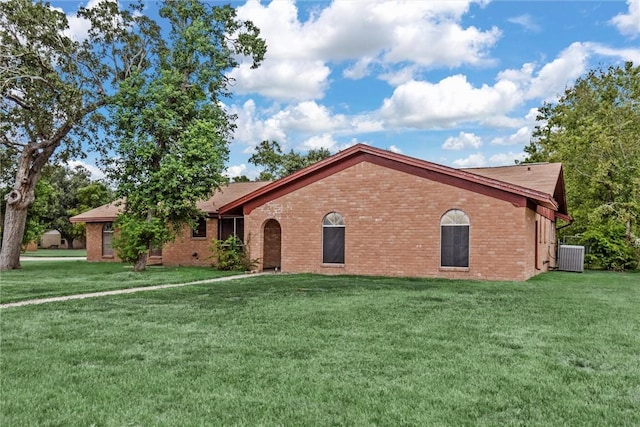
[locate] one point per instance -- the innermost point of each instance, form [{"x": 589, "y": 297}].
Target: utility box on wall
[{"x": 571, "y": 258}]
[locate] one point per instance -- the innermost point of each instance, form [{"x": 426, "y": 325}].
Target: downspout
[{"x": 570, "y": 222}]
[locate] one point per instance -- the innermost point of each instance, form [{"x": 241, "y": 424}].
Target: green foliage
[
  {"x": 608, "y": 247},
  {"x": 37, "y": 222},
  {"x": 172, "y": 131},
  {"x": 594, "y": 130},
  {"x": 137, "y": 235},
  {"x": 53, "y": 88},
  {"x": 73, "y": 193},
  {"x": 276, "y": 164},
  {"x": 231, "y": 255}
]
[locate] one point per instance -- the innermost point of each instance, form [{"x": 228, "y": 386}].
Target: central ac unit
[{"x": 571, "y": 258}]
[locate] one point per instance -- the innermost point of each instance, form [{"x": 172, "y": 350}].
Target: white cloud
[
  {"x": 320, "y": 141},
  {"x": 473, "y": 160},
  {"x": 463, "y": 140},
  {"x": 362, "y": 34},
  {"x": 629, "y": 23},
  {"x": 522, "y": 137},
  {"x": 554, "y": 77},
  {"x": 506, "y": 159},
  {"x": 236, "y": 170},
  {"x": 449, "y": 102},
  {"x": 400, "y": 76},
  {"x": 79, "y": 27},
  {"x": 96, "y": 172},
  {"x": 479, "y": 160},
  {"x": 251, "y": 130},
  {"x": 283, "y": 79},
  {"x": 395, "y": 149},
  {"x": 629, "y": 54},
  {"x": 361, "y": 68},
  {"x": 526, "y": 21},
  {"x": 365, "y": 124},
  {"x": 308, "y": 121},
  {"x": 309, "y": 117}
]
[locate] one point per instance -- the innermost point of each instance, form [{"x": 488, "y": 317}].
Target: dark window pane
[
  {"x": 454, "y": 248},
  {"x": 240, "y": 228},
  {"x": 201, "y": 228},
  {"x": 231, "y": 226},
  {"x": 333, "y": 245}
]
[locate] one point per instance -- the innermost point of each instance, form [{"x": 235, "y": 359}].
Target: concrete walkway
[
  {"x": 43, "y": 258},
  {"x": 126, "y": 291}
]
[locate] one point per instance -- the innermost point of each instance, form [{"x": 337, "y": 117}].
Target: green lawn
[
  {"x": 561, "y": 349},
  {"x": 43, "y": 279},
  {"x": 56, "y": 253}
]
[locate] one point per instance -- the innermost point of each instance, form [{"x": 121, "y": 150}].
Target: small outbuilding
[{"x": 369, "y": 211}]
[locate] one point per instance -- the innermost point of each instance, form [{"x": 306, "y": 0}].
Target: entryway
[{"x": 272, "y": 246}]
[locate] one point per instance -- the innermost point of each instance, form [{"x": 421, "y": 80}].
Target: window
[
  {"x": 107, "y": 235},
  {"x": 333, "y": 239},
  {"x": 454, "y": 239},
  {"x": 155, "y": 251},
  {"x": 233, "y": 226},
  {"x": 200, "y": 229}
]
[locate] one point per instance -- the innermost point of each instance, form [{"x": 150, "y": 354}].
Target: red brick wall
[
  {"x": 179, "y": 252},
  {"x": 94, "y": 243},
  {"x": 393, "y": 227},
  {"x": 187, "y": 250}
]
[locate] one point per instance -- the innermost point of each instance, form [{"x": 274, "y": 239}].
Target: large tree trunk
[
  {"x": 12, "y": 233},
  {"x": 141, "y": 262},
  {"x": 19, "y": 199}
]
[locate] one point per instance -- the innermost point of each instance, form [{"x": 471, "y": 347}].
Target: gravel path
[{"x": 125, "y": 291}]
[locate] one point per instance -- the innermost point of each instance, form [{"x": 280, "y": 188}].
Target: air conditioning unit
[{"x": 571, "y": 258}]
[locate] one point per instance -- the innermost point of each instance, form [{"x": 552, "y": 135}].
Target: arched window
[
  {"x": 107, "y": 235},
  {"x": 454, "y": 239},
  {"x": 333, "y": 239}
]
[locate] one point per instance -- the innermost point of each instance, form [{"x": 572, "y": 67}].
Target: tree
[
  {"x": 72, "y": 193},
  {"x": 277, "y": 164},
  {"x": 53, "y": 89},
  {"x": 241, "y": 178},
  {"x": 36, "y": 224},
  {"x": 173, "y": 132},
  {"x": 594, "y": 130}
]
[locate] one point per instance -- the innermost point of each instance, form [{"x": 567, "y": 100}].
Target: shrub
[
  {"x": 608, "y": 247},
  {"x": 231, "y": 255},
  {"x": 136, "y": 236}
]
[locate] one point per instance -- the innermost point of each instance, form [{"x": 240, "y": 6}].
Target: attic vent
[{"x": 571, "y": 258}]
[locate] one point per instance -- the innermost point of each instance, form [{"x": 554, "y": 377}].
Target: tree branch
[{"x": 18, "y": 101}]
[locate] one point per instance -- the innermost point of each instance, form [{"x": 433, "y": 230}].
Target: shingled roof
[
  {"x": 544, "y": 177},
  {"x": 227, "y": 194},
  {"x": 541, "y": 184}
]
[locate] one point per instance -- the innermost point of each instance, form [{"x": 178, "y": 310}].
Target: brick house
[
  {"x": 369, "y": 211},
  {"x": 191, "y": 247}
]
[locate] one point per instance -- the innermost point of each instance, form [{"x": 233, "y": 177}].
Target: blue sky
[{"x": 453, "y": 82}]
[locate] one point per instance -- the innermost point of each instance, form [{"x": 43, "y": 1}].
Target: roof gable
[{"x": 505, "y": 190}]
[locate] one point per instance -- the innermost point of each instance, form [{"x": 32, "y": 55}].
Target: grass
[
  {"x": 561, "y": 349},
  {"x": 56, "y": 253},
  {"x": 43, "y": 279}
]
